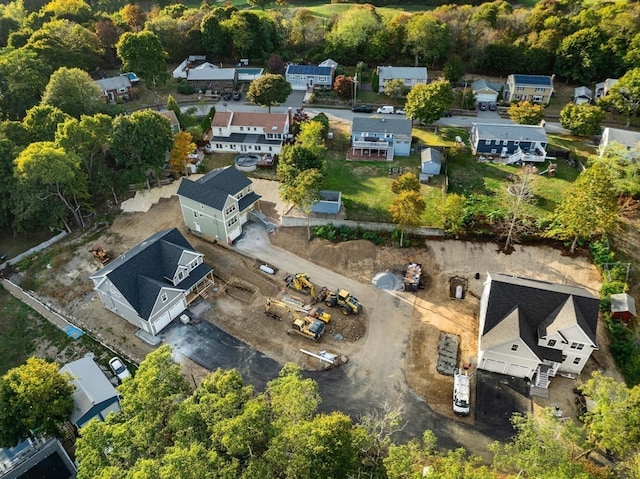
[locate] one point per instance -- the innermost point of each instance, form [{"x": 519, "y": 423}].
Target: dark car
[
  {"x": 447, "y": 114},
  {"x": 237, "y": 96},
  {"x": 226, "y": 96},
  {"x": 493, "y": 106},
  {"x": 362, "y": 109},
  {"x": 482, "y": 106}
]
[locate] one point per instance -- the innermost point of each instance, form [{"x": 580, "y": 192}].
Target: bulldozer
[
  {"x": 99, "y": 253},
  {"x": 348, "y": 303},
  {"x": 307, "y": 326}
]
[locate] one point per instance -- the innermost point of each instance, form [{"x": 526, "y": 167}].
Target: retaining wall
[{"x": 292, "y": 221}]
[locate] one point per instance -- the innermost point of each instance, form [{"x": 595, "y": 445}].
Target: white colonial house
[
  {"x": 534, "y": 329},
  {"x": 239, "y": 132}
]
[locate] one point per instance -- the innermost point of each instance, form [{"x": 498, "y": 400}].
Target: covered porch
[{"x": 380, "y": 150}]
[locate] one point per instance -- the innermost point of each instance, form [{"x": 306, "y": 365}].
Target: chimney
[{"x": 289, "y": 116}]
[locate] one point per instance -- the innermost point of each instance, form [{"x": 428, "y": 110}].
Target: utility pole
[{"x": 355, "y": 88}]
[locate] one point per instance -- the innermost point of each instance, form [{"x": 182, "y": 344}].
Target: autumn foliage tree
[
  {"x": 343, "y": 86},
  {"x": 406, "y": 210},
  {"x": 526, "y": 113},
  {"x": 183, "y": 145}
]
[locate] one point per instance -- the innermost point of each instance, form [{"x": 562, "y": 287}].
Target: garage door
[
  {"x": 164, "y": 320},
  {"x": 486, "y": 97},
  {"x": 493, "y": 365},
  {"x": 517, "y": 371}
]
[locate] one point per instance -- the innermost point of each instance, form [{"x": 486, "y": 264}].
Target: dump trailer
[
  {"x": 413, "y": 278},
  {"x": 347, "y": 303}
]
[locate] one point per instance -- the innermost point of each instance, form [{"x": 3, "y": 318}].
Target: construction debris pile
[{"x": 448, "y": 347}]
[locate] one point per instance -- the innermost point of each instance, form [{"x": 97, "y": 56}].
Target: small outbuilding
[
  {"x": 330, "y": 203},
  {"x": 623, "y": 307},
  {"x": 431, "y": 164}
]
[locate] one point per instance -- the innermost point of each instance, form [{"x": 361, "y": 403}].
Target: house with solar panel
[
  {"x": 535, "y": 329},
  {"x": 410, "y": 76},
  {"x": 531, "y": 88},
  {"x": 216, "y": 205},
  {"x": 154, "y": 282},
  {"x": 309, "y": 77}
]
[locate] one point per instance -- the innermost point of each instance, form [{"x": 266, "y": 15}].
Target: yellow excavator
[
  {"x": 301, "y": 282},
  {"x": 308, "y": 326}
]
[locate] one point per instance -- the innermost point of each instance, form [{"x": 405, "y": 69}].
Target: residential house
[
  {"x": 626, "y": 138},
  {"x": 115, "y": 89},
  {"x": 582, "y": 94},
  {"x": 485, "y": 91},
  {"x": 513, "y": 143},
  {"x": 410, "y": 76},
  {"x": 329, "y": 63},
  {"x": 154, "y": 282},
  {"x": 534, "y": 329},
  {"x": 376, "y": 138},
  {"x": 309, "y": 77},
  {"x": 532, "y": 88},
  {"x": 173, "y": 120},
  {"x": 36, "y": 458},
  {"x": 209, "y": 77},
  {"x": 603, "y": 87},
  {"x": 623, "y": 307},
  {"x": 216, "y": 205},
  {"x": 249, "y": 132},
  {"x": 431, "y": 164},
  {"x": 94, "y": 396},
  {"x": 191, "y": 61}
]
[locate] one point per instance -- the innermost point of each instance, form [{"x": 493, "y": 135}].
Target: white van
[
  {"x": 461, "y": 393},
  {"x": 387, "y": 109}
]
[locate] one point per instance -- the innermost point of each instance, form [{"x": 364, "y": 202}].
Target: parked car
[
  {"x": 447, "y": 114},
  {"x": 237, "y": 96},
  {"x": 362, "y": 109},
  {"x": 227, "y": 96},
  {"x": 119, "y": 369},
  {"x": 482, "y": 106},
  {"x": 493, "y": 106},
  {"x": 401, "y": 111},
  {"x": 386, "y": 109}
]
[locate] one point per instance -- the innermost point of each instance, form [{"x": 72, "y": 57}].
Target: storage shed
[{"x": 623, "y": 307}]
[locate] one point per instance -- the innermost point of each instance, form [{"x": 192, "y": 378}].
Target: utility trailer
[{"x": 413, "y": 278}]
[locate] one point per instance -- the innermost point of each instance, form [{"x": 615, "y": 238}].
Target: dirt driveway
[{"x": 390, "y": 347}]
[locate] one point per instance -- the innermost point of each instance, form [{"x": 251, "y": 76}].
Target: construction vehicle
[
  {"x": 348, "y": 304},
  {"x": 307, "y": 326},
  {"x": 301, "y": 282},
  {"x": 99, "y": 253}
]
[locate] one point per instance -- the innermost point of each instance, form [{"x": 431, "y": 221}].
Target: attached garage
[
  {"x": 493, "y": 365},
  {"x": 164, "y": 320},
  {"x": 486, "y": 97},
  {"x": 518, "y": 371}
]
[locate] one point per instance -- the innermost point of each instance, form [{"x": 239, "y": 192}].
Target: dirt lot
[{"x": 242, "y": 289}]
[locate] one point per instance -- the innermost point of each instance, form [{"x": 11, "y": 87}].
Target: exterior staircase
[{"x": 542, "y": 376}]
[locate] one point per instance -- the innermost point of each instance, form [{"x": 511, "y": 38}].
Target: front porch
[
  {"x": 199, "y": 290},
  {"x": 364, "y": 150}
]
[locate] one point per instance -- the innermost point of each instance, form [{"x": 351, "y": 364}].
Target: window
[
  {"x": 577, "y": 346},
  {"x": 517, "y": 97},
  {"x": 576, "y": 361},
  {"x": 564, "y": 358},
  {"x": 232, "y": 221},
  {"x": 230, "y": 210},
  {"x": 220, "y": 130},
  {"x": 164, "y": 297},
  {"x": 519, "y": 88},
  {"x": 551, "y": 343},
  {"x": 536, "y": 98},
  {"x": 180, "y": 275},
  {"x": 514, "y": 347},
  {"x": 487, "y": 142},
  {"x": 540, "y": 89},
  {"x": 195, "y": 214},
  {"x": 242, "y": 128}
]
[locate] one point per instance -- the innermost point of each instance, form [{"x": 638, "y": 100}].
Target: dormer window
[
  {"x": 551, "y": 343},
  {"x": 514, "y": 347},
  {"x": 180, "y": 276}
]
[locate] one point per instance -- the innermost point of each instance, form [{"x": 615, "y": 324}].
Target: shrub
[{"x": 184, "y": 88}]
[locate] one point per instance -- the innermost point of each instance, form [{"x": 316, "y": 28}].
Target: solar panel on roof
[{"x": 533, "y": 79}]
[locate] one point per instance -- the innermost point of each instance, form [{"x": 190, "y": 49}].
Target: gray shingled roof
[
  {"x": 542, "y": 305},
  {"x": 373, "y": 124},
  {"x": 114, "y": 83},
  {"x": 214, "y": 188},
  {"x": 402, "y": 73},
  {"x": 140, "y": 273},
  {"x": 505, "y": 131}
]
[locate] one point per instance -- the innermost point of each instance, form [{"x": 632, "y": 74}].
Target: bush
[
  {"x": 624, "y": 350},
  {"x": 184, "y": 88}
]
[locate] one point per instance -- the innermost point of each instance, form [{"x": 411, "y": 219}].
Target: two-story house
[
  {"x": 532, "y": 88},
  {"x": 307, "y": 77},
  {"x": 603, "y": 87},
  {"x": 410, "y": 76},
  {"x": 512, "y": 143},
  {"x": 534, "y": 329},
  {"x": 627, "y": 139},
  {"x": 216, "y": 205},
  {"x": 154, "y": 282},
  {"x": 115, "y": 89},
  {"x": 248, "y": 132},
  {"x": 375, "y": 138}
]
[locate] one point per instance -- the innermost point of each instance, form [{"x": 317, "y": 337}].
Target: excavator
[
  {"x": 301, "y": 282},
  {"x": 307, "y": 326}
]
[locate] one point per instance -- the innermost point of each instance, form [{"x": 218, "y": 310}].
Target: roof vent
[{"x": 274, "y": 128}]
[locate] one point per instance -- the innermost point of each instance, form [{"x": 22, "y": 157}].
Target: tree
[
  {"x": 451, "y": 213},
  {"x": 526, "y": 113},
  {"x": 261, "y": 4},
  {"x": 543, "y": 448},
  {"x": 269, "y": 90},
  {"x": 35, "y": 400},
  {"x": 8, "y": 184},
  {"x": 42, "y": 122},
  {"x": 343, "y": 86},
  {"x": 311, "y": 137},
  {"x": 583, "y": 119},
  {"x": 140, "y": 141},
  {"x": 454, "y": 69},
  {"x": 406, "y": 210},
  {"x": 142, "y": 53},
  {"x": 625, "y": 94},
  {"x": 589, "y": 207},
  {"x": 21, "y": 87},
  {"x": 182, "y": 146},
  {"x": 74, "y": 92},
  {"x": 134, "y": 16},
  {"x": 579, "y": 56},
  {"x": 215, "y": 38},
  {"x": 429, "y": 102},
  {"x": 173, "y": 105},
  {"x": 303, "y": 192},
  {"x": 406, "y": 182},
  {"x": 53, "y": 173},
  {"x": 427, "y": 39},
  {"x": 519, "y": 199},
  {"x": 395, "y": 88},
  {"x": 350, "y": 35}
]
